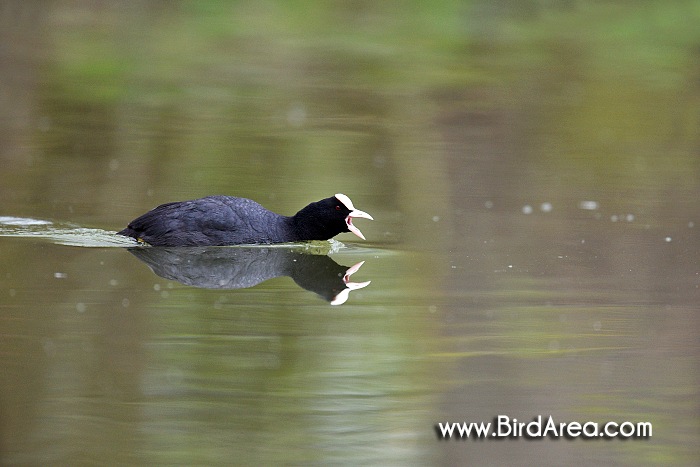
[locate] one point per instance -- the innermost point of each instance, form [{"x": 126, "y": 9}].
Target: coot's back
[{"x": 210, "y": 221}]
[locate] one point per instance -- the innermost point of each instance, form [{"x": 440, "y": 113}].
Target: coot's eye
[{"x": 337, "y": 208}]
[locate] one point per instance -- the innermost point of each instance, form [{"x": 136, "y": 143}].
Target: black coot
[{"x": 226, "y": 220}]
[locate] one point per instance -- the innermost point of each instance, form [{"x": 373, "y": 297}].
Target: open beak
[
  {"x": 359, "y": 214},
  {"x": 342, "y": 297}
]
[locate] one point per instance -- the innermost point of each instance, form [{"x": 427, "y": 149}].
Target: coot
[{"x": 227, "y": 220}]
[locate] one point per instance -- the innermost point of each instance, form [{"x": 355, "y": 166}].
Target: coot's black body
[{"x": 227, "y": 220}]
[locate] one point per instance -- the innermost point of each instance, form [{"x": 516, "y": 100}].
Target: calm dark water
[{"x": 535, "y": 248}]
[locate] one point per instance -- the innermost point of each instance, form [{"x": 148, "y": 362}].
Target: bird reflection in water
[{"x": 243, "y": 267}]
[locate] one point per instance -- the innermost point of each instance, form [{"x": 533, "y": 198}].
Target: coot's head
[{"x": 327, "y": 218}]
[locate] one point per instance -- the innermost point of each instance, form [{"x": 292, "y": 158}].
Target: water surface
[{"x": 533, "y": 173}]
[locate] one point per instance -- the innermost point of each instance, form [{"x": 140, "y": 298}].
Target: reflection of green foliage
[
  {"x": 181, "y": 99},
  {"x": 604, "y": 96},
  {"x": 426, "y": 43}
]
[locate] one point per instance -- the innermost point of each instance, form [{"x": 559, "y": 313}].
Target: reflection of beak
[
  {"x": 351, "y": 227},
  {"x": 342, "y": 297}
]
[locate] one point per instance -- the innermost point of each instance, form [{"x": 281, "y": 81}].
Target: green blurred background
[{"x": 533, "y": 167}]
